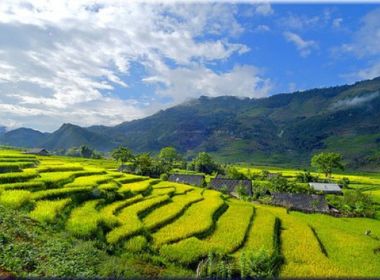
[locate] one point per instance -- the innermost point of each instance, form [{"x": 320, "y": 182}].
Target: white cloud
[
  {"x": 299, "y": 22},
  {"x": 57, "y": 61},
  {"x": 184, "y": 83},
  {"x": 365, "y": 45},
  {"x": 262, "y": 28},
  {"x": 337, "y": 22},
  {"x": 264, "y": 9},
  {"x": 304, "y": 47}
]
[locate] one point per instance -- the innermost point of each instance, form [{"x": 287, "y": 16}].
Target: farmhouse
[
  {"x": 193, "y": 180},
  {"x": 125, "y": 169},
  {"x": 39, "y": 152},
  {"x": 308, "y": 203},
  {"x": 271, "y": 175},
  {"x": 326, "y": 188},
  {"x": 219, "y": 183}
]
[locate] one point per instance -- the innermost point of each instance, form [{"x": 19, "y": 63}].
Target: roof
[
  {"x": 327, "y": 188},
  {"x": 194, "y": 180},
  {"x": 301, "y": 202},
  {"x": 218, "y": 183},
  {"x": 37, "y": 151}
]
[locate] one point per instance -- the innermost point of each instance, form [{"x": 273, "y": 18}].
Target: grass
[
  {"x": 7, "y": 167},
  {"x": 46, "y": 211},
  {"x": 197, "y": 219},
  {"x": 167, "y": 213},
  {"x": 130, "y": 220},
  {"x": 84, "y": 220},
  {"x": 225, "y": 239},
  {"x": 15, "y": 198},
  {"x": 162, "y": 191}
]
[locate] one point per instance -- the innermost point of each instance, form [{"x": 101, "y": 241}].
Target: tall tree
[
  {"x": 204, "y": 163},
  {"x": 122, "y": 154},
  {"x": 326, "y": 162},
  {"x": 169, "y": 154}
]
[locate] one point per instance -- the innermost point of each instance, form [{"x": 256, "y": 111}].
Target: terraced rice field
[{"x": 181, "y": 223}]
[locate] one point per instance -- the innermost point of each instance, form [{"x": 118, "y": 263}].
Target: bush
[
  {"x": 344, "y": 182},
  {"x": 353, "y": 203},
  {"x": 164, "y": 177}
]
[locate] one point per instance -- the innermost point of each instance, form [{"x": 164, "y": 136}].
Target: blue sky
[{"x": 105, "y": 62}]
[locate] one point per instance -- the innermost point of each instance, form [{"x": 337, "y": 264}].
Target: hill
[
  {"x": 281, "y": 129},
  {"x": 3, "y": 130}
]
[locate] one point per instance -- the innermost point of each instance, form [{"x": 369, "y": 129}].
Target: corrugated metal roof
[
  {"x": 194, "y": 180},
  {"x": 325, "y": 187}
]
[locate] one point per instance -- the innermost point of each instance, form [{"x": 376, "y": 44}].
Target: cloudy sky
[{"x": 104, "y": 62}]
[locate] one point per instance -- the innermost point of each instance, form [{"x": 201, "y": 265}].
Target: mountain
[
  {"x": 3, "y": 130},
  {"x": 282, "y": 129},
  {"x": 69, "y": 135},
  {"x": 23, "y": 137}
]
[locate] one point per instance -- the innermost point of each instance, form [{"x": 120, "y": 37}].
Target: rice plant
[
  {"x": 168, "y": 191},
  {"x": 260, "y": 236},
  {"x": 348, "y": 248},
  {"x": 138, "y": 187},
  {"x": 17, "y": 177},
  {"x": 46, "y": 211},
  {"x": 197, "y": 219},
  {"x": 58, "y": 192},
  {"x": 89, "y": 181},
  {"x": 136, "y": 244},
  {"x": 297, "y": 237},
  {"x": 60, "y": 168},
  {"x": 15, "y": 198},
  {"x": 130, "y": 221},
  {"x": 230, "y": 232},
  {"x": 128, "y": 178},
  {"x": 108, "y": 212},
  {"x": 84, "y": 220},
  {"x": 165, "y": 214},
  {"x": 31, "y": 185}
]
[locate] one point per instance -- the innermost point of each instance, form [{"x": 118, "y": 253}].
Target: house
[
  {"x": 219, "y": 183},
  {"x": 309, "y": 203},
  {"x": 39, "y": 152},
  {"x": 326, "y": 188},
  {"x": 271, "y": 175},
  {"x": 193, "y": 180}
]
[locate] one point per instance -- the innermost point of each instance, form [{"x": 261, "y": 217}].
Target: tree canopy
[
  {"x": 123, "y": 154},
  {"x": 169, "y": 154},
  {"x": 325, "y": 162}
]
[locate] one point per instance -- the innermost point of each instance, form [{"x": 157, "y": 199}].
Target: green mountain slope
[
  {"x": 281, "y": 129},
  {"x": 69, "y": 135},
  {"x": 23, "y": 137}
]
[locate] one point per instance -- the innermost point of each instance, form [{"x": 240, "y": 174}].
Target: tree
[
  {"x": 85, "y": 151},
  {"x": 204, "y": 163},
  {"x": 233, "y": 173},
  {"x": 169, "y": 154},
  {"x": 123, "y": 154},
  {"x": 326, "y": 162}
]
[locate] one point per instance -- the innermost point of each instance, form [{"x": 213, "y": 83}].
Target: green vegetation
[
  {"x": 46, "y": 211},
  {"x": 326, "y": 162},
  {"x": 95, "y": 222}
]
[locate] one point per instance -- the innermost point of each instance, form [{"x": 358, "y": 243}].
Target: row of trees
[{"x": 81, "y": 151}]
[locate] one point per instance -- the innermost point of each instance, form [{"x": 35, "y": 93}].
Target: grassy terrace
[
  {"x": 196, "y": 220},
  {"x": 230, "y": 232},
  {"x": 170, "y": 223}
]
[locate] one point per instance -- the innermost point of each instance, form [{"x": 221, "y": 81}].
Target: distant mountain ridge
[
  {"x": 280, "y": 129},
  {"x": 3, "y": 130}
]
